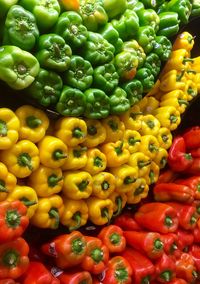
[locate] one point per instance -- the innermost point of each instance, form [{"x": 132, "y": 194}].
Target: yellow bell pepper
[
  {"x": 77, "y": 185},
  {"x": 21, "y": 159},
  {"x": 9, "y": 127},
  {"x": 148, "y": 104},
  {"x": 96, "y": 133},
  {"x": 168, "y": 116},
  {"x": 149, "y": 146},
  {"x": 150, "y": 125},
  {"x": 76, "y": 158},
  {"x": 132, "y": 140},
  {"x": 197, "y": 81},
  {"x": 154, "y": 90},
  {"x": 7, "y": 182},
  {"x": 141, "y": 162},
  {"x": 183, "y": 41},
  {"x": 139, "y": 191},
  {"x": 27, "y": 195},
  {"x": 103, "y": 185},
  {"x": 75, "y": 214},
  {"x": 153, "y": 173},
  {"x": 33, "y": 123},
  {"x": 71, "y": 130},
  {"x": 46, "y": 181},
  {"x": 195, "y": 65},
  {"x": 53, "y": 152},
  {"x": 119, "y": 201},
  {"x": 172, "y": 80},
  {"x": 190, "y": 75},
  {"x": 114, "y": 128},
  {"x": 132, "y": 118},
  {"x": 161, "y": 157},
  {"x": 100, "y": 210},
  {"x": 96, "y": 161},
  {"x": 48, "y": 212},
  {"x": 116, "y": 153},
  {"x": 164, "y": 138},
  {"x": 176, "y": 98},
  {"x": 125, "y": 176},
  {"x": 191, "y": 89}
]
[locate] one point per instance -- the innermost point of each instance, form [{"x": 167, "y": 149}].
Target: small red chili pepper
[
  {"x": 165, "y": 269},
  {"x": 192, "y": 137},
  {"x": 170, "y": 244},
  {"x": 148, "y": 243},
  {"x": 75, "y": 278},
  {"x": 193, "y": 183},
  {"x": 164, "y": 215},
  {"x": 185, "y": 239},
  {"x": 195, "y": 153},
  {"x": 167, "y": 176},
  {"x": 194, "y": 169},
  {"x": 185, "y": 268},
  {"x": 112, "y": 237},
  {"x": 127, "y": 222},
  {"x": 196, "y": 234}
]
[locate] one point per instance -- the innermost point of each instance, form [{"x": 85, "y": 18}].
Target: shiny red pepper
[
  {"x": 194, "y": 169},
  {"x": 196, "y": 235},
  {"x": 177, "y": 281},
  {"x": 192, "y": 137},
  {"x": 127, "y": 222},
  {"x": 185, "y": 268},
  {"x": 185, "y": 239},
  {"x": 167, "y": 176},
  {"x": 195, "y": 252},
  {"x": 8, "y": 281},
  {"x": 75, "y": 278},
  {"x": 195, "y": 152},
  {"x": 165, "y": 269},
  {"x": 193, "y": 183},
  {"x": 170, "y": 244},
  {"x": 196, "y": 204}
]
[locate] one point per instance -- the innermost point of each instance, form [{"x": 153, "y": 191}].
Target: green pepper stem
[
  {"x": 153, "y": 148},
  {"x": 105, "y": 214},
  {"x": 97, "y": 255},
  {"x": 3, "y": 186},
  {"x": 33, "y": 122},
  {"x": 151, "y": 176},
  {"x": 58, "y": 155},
  {"x": 105, "y": 185},
  {"x": 78, "y": 246},
  {"x": 53, "y": 213},
  {"x": 92, "y": 130},
  {"x": 118, "y": 150},
  {"x": 10, "y": 258},
  {"x": 83, "y": 185},
  {"x": 145, "y": 280},
  {"x": 173, "y": 118},
  {"x": 129, "y": 180},
  {"x": 183, "y": 102},
  {"x": 24, "y": 160},
  {"x": 193, "y": 220},
  {"x": 78, "y": 152},
  {"x": 142, "y": 164},
  {"x": 13, "y": 218},
  {"x": 187, "y": 60},
  {"x": 121, "y": 274},
  {"x": 168, "y": 221},
  {"x": 113, "y": 125},
  {"x": 158, "y": 244},
  {"x": 27, "y": 202},
  {"x": 188, "y": 156},
  {"x": 53, "y": 180},
  {"x": 115, "y": 238},
  {"x": 98, "y": 162},
  {"x": 135, "y": 114},
  {"x": 179, "y": 77},
  {"x": 57, "y": 51},
  {"x": 132, "y": 141},
  {"x": 166, "y": 275},
  {"x": 77, "y": 133},
  {"x": 3, "y": 128},
  {"x": 118, "y": 202},
  {"x": 139, "y": 190},
  {"x": 77, "y": 218}
]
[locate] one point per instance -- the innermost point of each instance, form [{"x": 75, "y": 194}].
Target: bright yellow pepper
[
  {"x": 132, "y": 118},
  {"x": 33, "y": 123},
  {"x": 96, "y": 133},
  {"x": 197, "y": 81},
  {"x": 76, "y": 158},
  {"x": 119, "y": 201},
  {"x": 75, "y": 213},
  {"x": 96, "y": 161},
  {"x": 7, "y": 182},
  {"x": 21, "y": 159},
  {"x": 114, "y": 128},
  {"x": 77, "y": 185},
  {"x": 27, "y": 195},
  {"x": 149, "y": 146},
  {"x": 141, "y": 162},
  {"x": 48, "y": 212},
  {"x": 9, "y": 127},
  {"x": 132, "y": 140},
  {"x": 164, "y": 138},
  {"x": 53, "y": 152},
  {"x": 116, "y": 153},
  {"x": 103, "y": 185},
  {"x": 125, "y": 176},
  {"x": 172, "y": 80},
  {"x": 153, "y": 173},
  {"x": 191, "y": 89},
  {"x": 71, "y": 130},
  {"x": 150, "y": 125},
  {"x": 46, "y": 181},
  {"x": 139, "y": 191},
  {"x": 148, "y": 104},
  {"x": 161, "y": 157},
  {"x": 100, "y": 210},
  {"x": 168, "y": 116},
  {"x": 70, "y": 5},
  {"x": 154, "y": 90},
  {"x": 195, "y": 65},
  {"x": 183, "y": 41},
  {"x": 176, "y": 98}
]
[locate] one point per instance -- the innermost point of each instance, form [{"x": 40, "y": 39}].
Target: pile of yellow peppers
[{"x": 73, "y": 170}]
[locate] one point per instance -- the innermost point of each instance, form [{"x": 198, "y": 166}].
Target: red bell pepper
[
  {"x": 164, "y": 215},
  {"x": 196, "y": 204},
  {"x": 68, "y": 249},
  {"x": 173, "y": 192},
  {"x": 192, "y": 137},
  {"x": 127, "y": 222},
  {"x": 170, "y": 244},
  {"x": 193, "y": 183},
  {"x": 165, "y": 269},
  {"x": 196, "y": 234},
  {"x": 195, "y": 253},
  {"x": 148, "y": 243},
  {"x": 13, "y": 220},
  {"x": 97, "y": 255},
  {"x": 143, "y": 268},
  {"x": 75, "y": 278},
  {"x": 8, "y": 281},
  {"x": 194, "y": 169},
  {"x": 185, "y": 268},
  {"x": 167, "y": 176},
  {"x": 177, "y": 281},
  {"x": 118, "y": 271},
  {"x": 178, "y": 159},
  {"x": 195, "y": 153},
  {"x": 185, "y": 239},
  {"x": 14, "y": 259},
  {"x": 112, "y": 237}
]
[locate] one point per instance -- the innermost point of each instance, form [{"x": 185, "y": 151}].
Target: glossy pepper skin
[
  {"x": 7, "y": 182},
  {"x": 149, "y": 146},
  {"x": 191, "y": 137},
  {"x": 110, "y": 34},
  {"x": 18, "y": 67},
  {"x": 164, "y": 137},
  {"x": 149, "y": 17},
  {"x": 119, "y": 103},
  {"x": 100, "y": 210},
  {"x": 145, "y": 76},
  {"x": 182, "y": 8},
  {"x": 172, "y": 80},
  {"x": 114, "y": 8},
  {"x": 153, "y": 63},
  {"x": 132, "y": 138},
  {"x": 69, "y": 5},
  {"x": 176, "y": 98},
  {"x": 193, "y": 183},
  {"x": 5, "y": 6},
  {"x": 168, "y": 116},
  {"x": 20, "y": 28},
  {"x": 134, "y": 91},
  {"x": 76, "y": 158},
  {"x": 140, "y": 161},
  {"x": 96, "y": 133},
  {"x": 185, "y": 268},
  {"x": 185, "y": 239},
  {"x": 75, "y": 278},
  {"x": 133, "y": 46},
  {"x": 119, "y": 201},
  {"x": 114, "y": 128},
  {"x": 103, "y": 185},
  {"x": 126, "y": 63},
  {"x": 184, "y": 40},
  {"x": 146, "y": 37},
  {"x": 195, "y": 11},
  {"x": 96, "y": 161},
  {"x": 162, "y": 47},
  {"x": 139, "y": 191},
  {"x": 127, "y": 222},
  {"x": 165, "y": 269},
  {"x": 170, "y": 244},
  {"x": 169, "y": 24}
]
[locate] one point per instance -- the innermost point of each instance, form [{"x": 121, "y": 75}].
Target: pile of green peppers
[{"x": 98, "y": 59}]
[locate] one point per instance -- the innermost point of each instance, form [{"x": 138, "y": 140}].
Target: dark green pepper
[
  {"x": 97, "y": 104},
  {"x": 133, "y": 46},
  {"x": 146, "y": 37},
  {"x": 148, "y": 17},
  {"x": 119, "y": 46},
  {"x": 134, "y": 91},
  {"x": 169, "y": 24},
  {"x": 105, "y": 77},
  {"x": 20, "y": 28},
  {"x": 70, "y": 27},
  {"x": 79, "y": 74},
  {"x": 71, "y": 102},
  {"x": 53, "y": 53},
  {"x": 5, "y": 6},
  {"x": 195, "y": 9},
  {"x": 110, "y": 34},
  {"x": 98, "y": 50},
  {"x": 145, "y": 76},
  {"x": 114, "y": 8},
  {"x": 162, "y": 47},
  {"x": 126, "y": 64},
  {"x": 152, "y": 3},
  {"x": 46, "y": 89},
  {"x": 182, "y": 8},
  {"x": 119, "y": 102},
  {"x": 153, "y": 63}
]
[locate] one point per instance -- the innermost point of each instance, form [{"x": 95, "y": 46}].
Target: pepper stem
[
  {"x": 183, "y": 102},
  {"x": 92, "y": 130},
  {"x": 193, "y": 220},
  {"x": 129, "y": 180},
  {"x": 10, "y": 258},
  {"x": 142, "y": 164},
  {"x": 166, "y": 275},
  {"x": 105, "y": 185},
  {"x": 53, "y": 180},
  {"x": 78, "y": 246},
  {"x": 118, "y": 150},
  {"x": 3, "y": 128},
  {"x": 135, "y": 114},
  {"x": 77, "y": 218},
  {"x": 58, "y": 155},
  {"x": 115, "y": 238},
  {"x": 53, "y": 213},
  {"x": 98, "y": 162},
  {"x": 132, "y": 141},
  {"x": 173, "y": 118},
  {"x": 3, "y": 186},
  {"x": 118, "y": 202},
  {"x": 105, "y": 214},
  {"x": 121, "y": 274},
  {"x": 179, "y": 77},
  {"x": 82, "y": 185},
  {"x": 77, "y": 133},
  {"x": 12, "y": 218},
  {"x": 145, "y": 280},
  {"x": 168, "y": 221},
  {"x": 187, "y": 60},
  {"x": 24, "y": 160},
  {"x": 139, "y": 190},
  {"x": 33, "y": 122},
  {"x": 27, "y": 202},
  {"x": 97, "y": 255},
  {"x": 158, "y": 245},
  {"x": 113, "y": 125}
]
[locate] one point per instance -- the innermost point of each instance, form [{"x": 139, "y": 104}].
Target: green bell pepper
[
  {"x": 138, "y": 7},
  {"x": 133, "y": 46},
  {"x": 152, "y": 4},
  {"x": 70, "y": 27},
  {"x": 46, "y": 12},
  {"x": 46, "y": 89},
  {"x": 18, "y": 68},
  {"x": 131, "y": 4},
  {"x": 110, "y": 34},
  {"x": 53, "y": 53},
  {"x": 126, "y": 64},
  {"x": 127, "y": 25},
  {"x": 98, "y": 50},
  {"x": 5, "y": 6},
  {"x": 145, "y": 76},
  {"x": 134, "y": 91},
  {"x": 79, "y": 74},
  {"x": 105, "y": 77},
  {"x": 119, "y": 102},
  {"x": 195, "y": 12},
  {"x": 93, "y": 14},
  {"x": 148, "y": 17},
  {"x": 97, "y": 104},
  {"x": 169, "y": 24},
  {"x": 119, "y": 46},
  {"x": 146, "y": 37},
  {"x": 182, "y": 8},
  {"x": 20, "y": 28},
  {"x": 71, "y": 102},
  {"x": 153, "y": 63},
  {"x": 114, "y": 8},
  {"x": 162, "y": 47}
]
